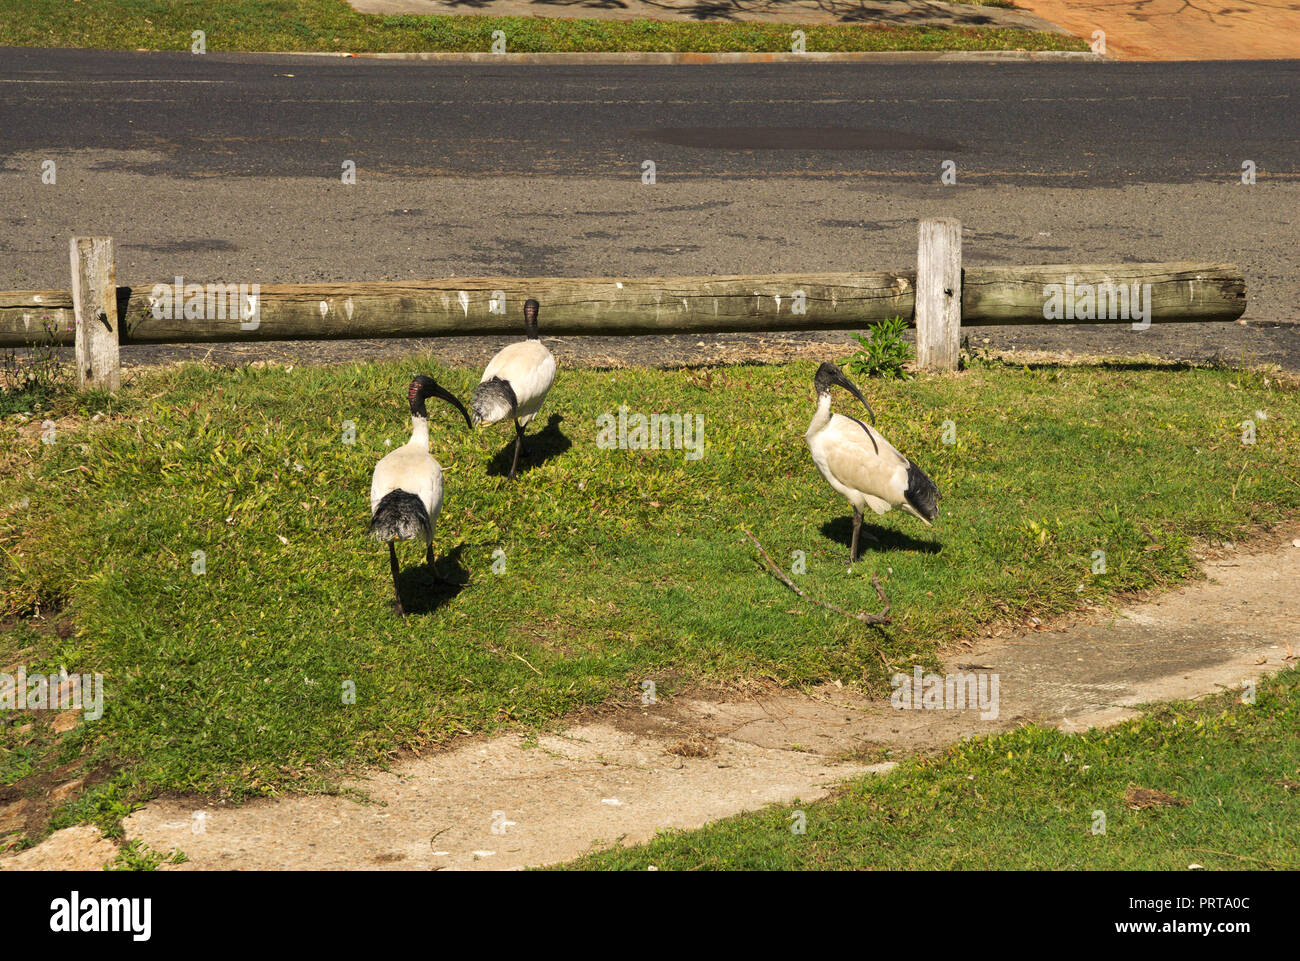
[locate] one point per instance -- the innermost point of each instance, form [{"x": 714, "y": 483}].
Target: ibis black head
[
  {"x": 828, "y": 376},
  {"x": 422, "y": 386},
  {"x": 531, "y": 307}
]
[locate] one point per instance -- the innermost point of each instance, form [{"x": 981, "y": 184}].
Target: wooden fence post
[
  {"x": 938, "y": 294},
  {"x": 94, "y": 304}
]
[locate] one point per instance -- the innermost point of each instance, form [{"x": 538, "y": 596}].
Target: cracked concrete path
[
  {"x": 498, "y": 804},
  {"x": 508, "y": 803}
]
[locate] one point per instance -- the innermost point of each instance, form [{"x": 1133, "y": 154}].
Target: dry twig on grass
[{"x": 865, "y": 618}]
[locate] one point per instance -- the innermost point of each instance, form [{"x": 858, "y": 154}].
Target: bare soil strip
[{"x": 1181, "y": 29}]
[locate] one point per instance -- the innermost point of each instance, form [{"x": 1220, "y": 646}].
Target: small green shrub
[
  {"x": 25, "y": 384},
  {"x": 883, "y": 352}
]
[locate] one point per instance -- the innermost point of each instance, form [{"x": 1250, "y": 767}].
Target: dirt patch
[
  {"x": 1141, "y": 798},
  {"x": 664, "y": 351},
  {"x": 1275, "y": 346},
  {"x": 1180, "y": 29},
  {"x": 81, "y": 848},
  {"x": 27, "y": 804}
]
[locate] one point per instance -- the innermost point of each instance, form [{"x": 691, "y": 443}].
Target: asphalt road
[
  {"x": 1053, "y": 124},
  {"x": 227, "y": 167}
]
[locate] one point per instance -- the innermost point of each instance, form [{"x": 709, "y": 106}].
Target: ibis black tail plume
[
  {"x": 922, "y": 493},
  {"x": 492, "y": 400},
  {"x": 400, "y": 516}
]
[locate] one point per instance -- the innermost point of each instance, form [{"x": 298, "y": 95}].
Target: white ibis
[
  {"x": 515, "y": 383},
  {"x": 862, "y": 465},
  {"x": 406, "y": 489}
]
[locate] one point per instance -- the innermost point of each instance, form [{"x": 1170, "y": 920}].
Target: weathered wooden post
[
  {"x": 94, "y": 305},
  {"x": 938, "y": 294}
]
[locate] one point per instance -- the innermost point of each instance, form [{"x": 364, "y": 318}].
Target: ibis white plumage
[
  {"x": 859, "y": 463},
  {"x": 515, "y": 383},
  {"x": 406, "y": 488}
]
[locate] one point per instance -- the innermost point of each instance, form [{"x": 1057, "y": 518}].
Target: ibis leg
[
  {"x": 857, "y": 528},
  {"x": 519, "y": 443},
  {"x": 428, "y": 559},
  {"x": 397, "y": 592}
]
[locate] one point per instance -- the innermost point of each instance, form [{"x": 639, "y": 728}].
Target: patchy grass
[
  {"x": 332, "y": 25},
  {"x": 619, "y": 565},
  {"x": 1215, "y": 783},
  {"x": 138, "y": 856}
]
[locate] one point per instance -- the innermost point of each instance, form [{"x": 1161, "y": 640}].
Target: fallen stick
[{"x": 865, "y": 618}]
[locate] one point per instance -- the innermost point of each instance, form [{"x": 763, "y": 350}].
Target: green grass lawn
[
  {"x": 1228, "y": 775},
  {"x": 276, "y": 25},
  {"x": 620, "y": 565}
]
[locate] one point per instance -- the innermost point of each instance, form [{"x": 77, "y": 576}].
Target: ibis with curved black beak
[
  {"x": 406, "y": 488},
  {"x": 515, "y": 383},
  {"x": 859, "y": 463}
]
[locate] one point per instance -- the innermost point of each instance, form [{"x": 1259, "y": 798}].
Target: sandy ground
[
  {"x": 1181, "y": 29},
  {"x": 621, "y": 777},
  {"x": 1253, "y": 344}
]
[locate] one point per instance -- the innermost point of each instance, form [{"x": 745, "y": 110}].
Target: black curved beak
[
  {"x": 451, "y": 398},
  {"x": 852, "y": 389}
]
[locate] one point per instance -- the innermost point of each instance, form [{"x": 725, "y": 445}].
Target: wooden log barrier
[
  {"x": 1180, "y": 292},
  {"x": 178, "y": 312}
]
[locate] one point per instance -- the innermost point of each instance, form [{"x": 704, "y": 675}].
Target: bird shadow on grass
[
  {"x": 422, "y": 593},
  {"x": 887, "y": 539},
  {"x": 541, "y": 446}
]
